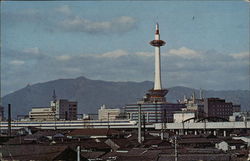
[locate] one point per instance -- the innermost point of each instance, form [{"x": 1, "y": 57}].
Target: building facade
[
  {"x": 64, "y": 109},
  {"x": 61, "y": 109},
  {"x": 216, "y": 107},
  {"x": 41, "y": 114},
  {"x": 154, "y": 112},
  {"x": 183, "y": 115},
  {"x": 194, "y": 104},
  {"x": 108, "y": 113},
  {"x": 236, "y": 108}
]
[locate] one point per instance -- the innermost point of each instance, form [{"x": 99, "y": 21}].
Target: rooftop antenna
[
  {"x": 54, "y": 105},
  {"x": 54, "y": 95},
  {"x": 193, "y": 96},
  {"x": 200, "y": 93}
]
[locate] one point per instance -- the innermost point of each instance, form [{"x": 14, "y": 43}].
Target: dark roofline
[{"x": 40, "y": 107}]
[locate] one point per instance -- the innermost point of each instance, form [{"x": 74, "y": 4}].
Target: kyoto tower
[
  {"x": 157, "y": 43},
  {"x": 157, "y": 93}
]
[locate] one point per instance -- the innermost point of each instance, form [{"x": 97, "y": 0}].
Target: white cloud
[
  {"x": 79, "y": 24},
  {"x": 34, "y": 50},
  {"x": 242, "y": 55},
  {"x": 63, "y": 57},
  {"x": 184, "y": 52},
  {"x": 145, "y": 54},
  {"x": 136, "y": 66},
  {"x": 124, "y": 20},
  {"x": 17, "y": 62},
  {"x": 65, "y": 9},
  {"x": 113, "y": 54}
]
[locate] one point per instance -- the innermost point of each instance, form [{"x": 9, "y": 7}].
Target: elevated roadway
[{"x": 203, "y": 125}]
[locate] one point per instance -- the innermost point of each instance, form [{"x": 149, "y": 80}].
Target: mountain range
[{"x": 91, "y": 94}]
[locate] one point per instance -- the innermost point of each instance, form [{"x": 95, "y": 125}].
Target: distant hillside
[{"x": 91, "y": 94}]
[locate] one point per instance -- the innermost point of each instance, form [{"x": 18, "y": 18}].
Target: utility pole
[
  {"x": 55, "y": 121},
  {"x": 139, "y": 124},
  {"x": 9, "y": 119},
  {"x": 163, "y": 127},
  {"x": 175, "y": 148},
  {"x": 78, "y": 153},
  {"x": 156, "y": 110},
  {"x": 108, "y": 120},
  {"x": 144, "y": 127}
]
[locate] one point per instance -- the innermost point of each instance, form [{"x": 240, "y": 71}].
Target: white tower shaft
[{"x": 157, "y": 85}]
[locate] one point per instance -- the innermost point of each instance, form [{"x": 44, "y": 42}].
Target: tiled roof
[
  {"x": 94, "y": 132},
  {"x": 135, "y": 154},
  {"x": 35, "y": 152},
  {"x": 92, "y": 155}
]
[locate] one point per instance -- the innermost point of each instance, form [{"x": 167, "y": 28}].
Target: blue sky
[{"x": 42, "y": 41}]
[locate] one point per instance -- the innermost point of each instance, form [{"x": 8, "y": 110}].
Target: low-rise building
[
  {"x": 108, "y": 113},
  {"x": 183, "y": 115},
  {"x": 240, "y": 116},
  {"x": 41, "y": 113},
  {"x": 216, "y": 107},
  {"x": 232, "y": 144},
  {"x": 154, "y": 112},
  {"x": 61, "y": 109}
]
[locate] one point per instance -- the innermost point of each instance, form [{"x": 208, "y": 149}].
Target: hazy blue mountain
[{"x": 91, "y": 94}]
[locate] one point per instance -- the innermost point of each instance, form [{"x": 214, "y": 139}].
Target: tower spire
[{"x": 157, "y": 28}]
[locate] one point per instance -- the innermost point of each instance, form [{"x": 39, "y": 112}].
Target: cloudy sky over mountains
[{"x": 207, "y": 42}]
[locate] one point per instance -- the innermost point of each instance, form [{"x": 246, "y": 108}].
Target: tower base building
[{"x": 154, "y": 112}]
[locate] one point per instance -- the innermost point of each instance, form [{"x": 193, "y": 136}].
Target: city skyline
[{"x": 207, "y": 43}]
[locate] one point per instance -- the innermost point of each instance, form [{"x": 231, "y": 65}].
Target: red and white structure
[
  {"x": 157, "y": 43},
  {"x": 157, "y": 94}
]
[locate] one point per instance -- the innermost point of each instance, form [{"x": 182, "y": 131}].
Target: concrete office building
[
  {"x": 106, "y": 114},
  {"x": 154, "y": 112},
  {"x": 183, "y": 115},
  {"x": 41, "y": 114},
  {"x": 61, "y": 109},
  {"x": 64, "y": 109},
  {"x": 216, "y": 107}
]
